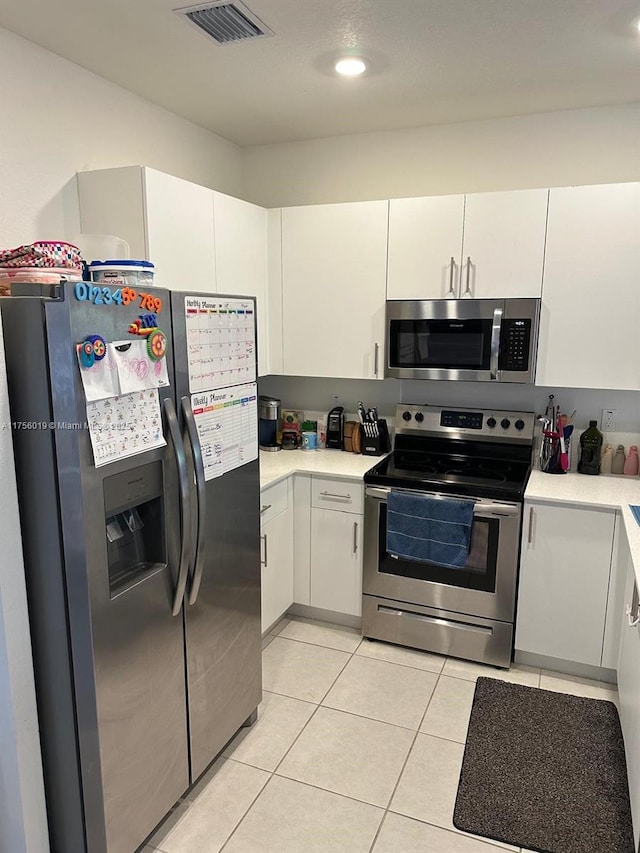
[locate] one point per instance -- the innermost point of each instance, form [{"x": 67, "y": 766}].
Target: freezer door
[
  {"x": 123, "y": 551},
  {"x": 222, "y": 611}
]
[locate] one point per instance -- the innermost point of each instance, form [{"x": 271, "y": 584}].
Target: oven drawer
[
  {"x": 439, "y": 631},
  {"x": 344, "y": 495}
]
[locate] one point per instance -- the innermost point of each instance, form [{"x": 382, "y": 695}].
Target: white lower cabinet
[
  {"x": 629, "y": 688},
  {"x": 328, "y": 543},
  {"x": 336, "y": 560},
  {"x": 564, "y": 582},
  {"x": 277, "y": 552}
]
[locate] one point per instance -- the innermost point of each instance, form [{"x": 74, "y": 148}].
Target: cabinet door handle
[
  {"x": 376, "y": 350},
  {"x": 634, "y": 608},
  {"x": 333, "y": 495},
  {"x": 264, "y": 539},
  {"x": 265, "y": 508},
  {"x": 467, "y": 290},
  {"x": 355, "y": 537},
  {"x": 530, "y": 537},
  {"x": 452, "y": 282}
]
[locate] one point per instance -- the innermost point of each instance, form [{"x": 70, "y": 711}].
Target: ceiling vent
[{"x": 226, "y": 22}]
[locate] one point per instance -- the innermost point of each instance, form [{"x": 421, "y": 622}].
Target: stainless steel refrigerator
[{"x": 143, "y": 573}]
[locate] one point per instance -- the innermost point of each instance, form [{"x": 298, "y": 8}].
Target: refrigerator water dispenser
[{"x": 134, "y": 526}]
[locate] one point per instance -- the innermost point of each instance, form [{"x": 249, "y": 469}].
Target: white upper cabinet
[
  {"x": 180, "y": 235},
  {"x": 164, "y": 219},
  {"x": 425, "y": 247},
  {"x": 483, "y": 246},
  {"x": 334, "y": 261},
  {"x": 503, "y": 250},
  {"x": 199, "y": 240},
  {"x": 241, "y": 259},
  {"x": 590, "y": 320}
]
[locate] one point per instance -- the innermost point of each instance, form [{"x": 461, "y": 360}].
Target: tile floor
[{"x": 357, "y": 749}]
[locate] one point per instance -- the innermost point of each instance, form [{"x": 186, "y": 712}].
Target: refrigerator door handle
[
  {"x": 185, "y": 512},
  {"x": 201, "y": 491}
]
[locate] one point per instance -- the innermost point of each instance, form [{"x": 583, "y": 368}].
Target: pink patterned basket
[{"x": 44, "y": 253}]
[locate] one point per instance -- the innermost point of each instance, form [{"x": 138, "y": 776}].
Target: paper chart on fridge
[
  {"x": 125, "y": 425},
  {"x": 221, "y": 342},
  {"x": 227, "y": 424}
]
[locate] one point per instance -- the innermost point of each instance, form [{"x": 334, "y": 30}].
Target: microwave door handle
[
  {"x": 185, "y": 506},
  {"x": 495, "y": 343},
  {"x": 201, "y": 493}
]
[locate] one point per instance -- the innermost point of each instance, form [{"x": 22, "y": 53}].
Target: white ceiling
[{"x": 432, "y": 61}]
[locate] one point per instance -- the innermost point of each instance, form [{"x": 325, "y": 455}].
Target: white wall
[
  {"x": 588, "y": 146},
  {"x": 57, "y": 119}
]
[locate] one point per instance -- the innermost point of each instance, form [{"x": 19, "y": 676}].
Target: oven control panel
[{"x": 491, "y": 424}]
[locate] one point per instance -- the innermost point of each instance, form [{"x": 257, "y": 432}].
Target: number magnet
[{"x": 157, "y": 344}]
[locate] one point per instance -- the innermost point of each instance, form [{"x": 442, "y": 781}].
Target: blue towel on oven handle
[{"x": 429, "y": 529}]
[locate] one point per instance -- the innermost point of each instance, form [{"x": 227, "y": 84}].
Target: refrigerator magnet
[
  {"x": 99, "y": 346},
  {"x": 87, "y": 354},
  {"x": 157, "y": 344}
]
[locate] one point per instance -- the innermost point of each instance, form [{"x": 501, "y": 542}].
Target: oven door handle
[
  {"x": 496, "y": 327},
  {"x": 480, "y": 507}
]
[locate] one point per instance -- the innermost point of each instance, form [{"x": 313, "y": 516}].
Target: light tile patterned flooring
[{"x": 357, "y": 749}]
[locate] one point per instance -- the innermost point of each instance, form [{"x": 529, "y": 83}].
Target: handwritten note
[
  {"x": 125, "y": 368},
  {"x": 136, "y": 370},
  {"x": 100, "y": 380}
]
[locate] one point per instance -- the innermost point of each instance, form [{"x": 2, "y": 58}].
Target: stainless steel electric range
[{"x": 481, "y": 456}]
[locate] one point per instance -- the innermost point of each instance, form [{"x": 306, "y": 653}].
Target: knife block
[{"x": 378, "y": 444}]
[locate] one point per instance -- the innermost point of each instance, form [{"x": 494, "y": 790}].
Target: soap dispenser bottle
[
  {"x": 617, "y": 466},
  {"x": 606, "y": 460},
  {"x": 632, "y": 464}
]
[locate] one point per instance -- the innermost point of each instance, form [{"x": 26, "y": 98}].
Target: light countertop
[
  {"x": 278, "y": 465},
  {"x": 601, "y": 492}
]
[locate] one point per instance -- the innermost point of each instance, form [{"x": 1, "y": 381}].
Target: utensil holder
[
  {"x": 376, "y": 445},
  {"x": 549, "y": 458}
]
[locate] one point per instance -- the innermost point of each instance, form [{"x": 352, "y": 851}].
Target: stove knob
[
  {"x": 406, "y": 416},
  {"x": 419, "y": 417},
  {"x": 505, "y": 423},
  {"x": 519, "y": 424},
  {"x": 491, "y": 422}
]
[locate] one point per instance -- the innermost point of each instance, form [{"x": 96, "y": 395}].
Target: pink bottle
[{"x": 632, "y": 464}]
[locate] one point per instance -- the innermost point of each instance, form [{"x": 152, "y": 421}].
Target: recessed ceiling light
[
  {"x": 638, "y": 24},
  {"x": 350, "y": 67}
]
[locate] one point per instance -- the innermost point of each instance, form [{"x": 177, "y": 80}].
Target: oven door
[
  {"x": 485, "y": 587},
  {"x": 444, "y": 339}
]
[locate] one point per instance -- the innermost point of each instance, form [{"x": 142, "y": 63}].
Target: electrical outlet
[{"x": 608, "y": 419}]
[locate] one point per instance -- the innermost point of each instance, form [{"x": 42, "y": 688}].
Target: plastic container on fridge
[
  {"x": 122, "y": 273},
  {"x": 35, "y": 275}
]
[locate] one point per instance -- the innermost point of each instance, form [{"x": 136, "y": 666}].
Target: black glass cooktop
[{"x": 467, "y": 468}]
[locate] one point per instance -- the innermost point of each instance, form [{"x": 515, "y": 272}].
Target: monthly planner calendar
[
  {"x": 221, "y": 342},
  {"x": 227, "y": 423}
]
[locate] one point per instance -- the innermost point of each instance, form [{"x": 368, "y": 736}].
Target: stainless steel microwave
[{"x": 473, "y": 340}]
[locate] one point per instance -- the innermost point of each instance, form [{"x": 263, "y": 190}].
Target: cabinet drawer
[
  {"x": 344, "y": 495},
  {"x": 274, "y": 500}
]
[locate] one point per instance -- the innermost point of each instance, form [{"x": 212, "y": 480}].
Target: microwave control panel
[{"x": 515, "y": 344}]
